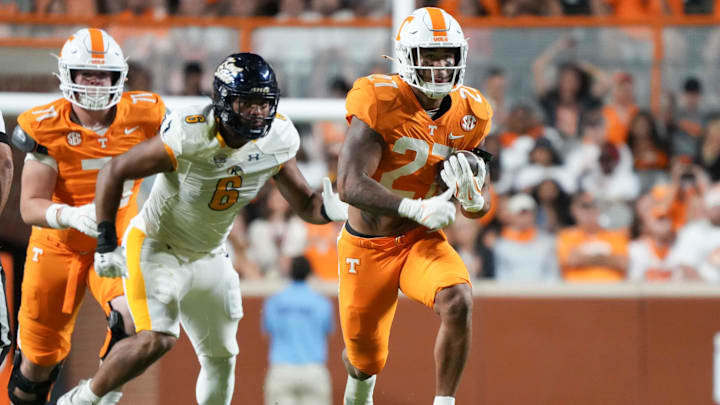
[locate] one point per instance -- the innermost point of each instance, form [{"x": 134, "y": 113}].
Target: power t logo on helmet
[
  {"x": 431, "y": 27},
  {"x": 92, "y": 49}
]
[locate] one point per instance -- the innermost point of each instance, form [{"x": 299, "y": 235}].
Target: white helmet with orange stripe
[
  {"x": 92, "y": 49},
  {"x": 430, "y": 27}
]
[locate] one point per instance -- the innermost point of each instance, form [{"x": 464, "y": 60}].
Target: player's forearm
[
  {"x": 6, "y": 175},
  {"x": 367, "y": 194},
  {"x": 34, "y": 210},
  {"x": 108, "y": 192},
  {"x": 312, "y": 210}
]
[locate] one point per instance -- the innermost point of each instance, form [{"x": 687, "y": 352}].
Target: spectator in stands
[
  {"x": 240, "y": 8},
  {"x": 567, "y": 100},
  {"x": 620, "y": 109},
  {"x": 648, "y": 254},
  {"x": 298, "y": 321},
  {"x": 587, "y": 252},
  {"x": 192, "y": 81},
  {"x": 544, "y": 164},
  {"x": 138, "y": 78},
  {"x": 276, "y": 236},
  {"x": 709, "y": 156},
  {"x": 682, "y": 196},
  {"x": 575, "y": 7},
  {"x": 649, "y": 150},
  {"x": 554, "y": 206},
  {"x": 609, "y": 178},
  {"x": 537, "y": 263},
  {"x": 496, "y": 93},
  {"x": 463, "y": 236},
  {"x": 237, "y": 247},
  {"x": 690, "y": 123},
  {"x": 697, "y": 251}
]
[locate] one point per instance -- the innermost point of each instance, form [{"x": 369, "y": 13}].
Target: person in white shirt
[
  {"x": 211, "y": 160},
  {"x": 649, "y": 254},
  {"x": 697, "y": 251},
  {"x": 538, "y": 262}
]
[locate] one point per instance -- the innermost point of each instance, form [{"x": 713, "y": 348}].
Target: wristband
[
  {"x": 51, "y": 215},
  {"x": 324, "y": 213},
  {"x": 107, "y": 240}
]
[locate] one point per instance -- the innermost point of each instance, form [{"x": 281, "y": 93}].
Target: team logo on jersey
[
  {"x": 235, "y": 171},
  {"x": 74, "y": 138},
  {"x": 253, "y": 156},
  {"x": 220, "y": 160},
  {"x": 468, "y": 122}
]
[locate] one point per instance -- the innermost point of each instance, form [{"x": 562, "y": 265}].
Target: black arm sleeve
[{"x": 4, "y": 138}]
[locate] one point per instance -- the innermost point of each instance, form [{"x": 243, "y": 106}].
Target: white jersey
[{"x": 193, "y": 207}]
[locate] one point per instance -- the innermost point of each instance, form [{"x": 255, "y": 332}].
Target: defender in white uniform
[{"x": 212, "y": 161}]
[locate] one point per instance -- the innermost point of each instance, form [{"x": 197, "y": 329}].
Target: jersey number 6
[{"x": 226, "y": 193}]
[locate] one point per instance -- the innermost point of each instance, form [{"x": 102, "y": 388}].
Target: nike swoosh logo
[
  {"x": 456, "y": 136},
  {"x": 130, "y": 130}
]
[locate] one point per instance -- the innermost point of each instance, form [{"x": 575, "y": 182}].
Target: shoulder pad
[{"x": 26, "y": 143}]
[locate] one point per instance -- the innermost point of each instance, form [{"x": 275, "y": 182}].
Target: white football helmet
[
  {"x": 92, "y": 49},
  {"x": 430, "y": 27}
]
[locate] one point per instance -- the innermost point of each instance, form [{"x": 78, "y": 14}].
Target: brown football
[{"x": 472, "y": 159}]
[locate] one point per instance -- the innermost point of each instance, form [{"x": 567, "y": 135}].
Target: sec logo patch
[
  {"x": 74, "y": 138},
  {"x": 468, "y": 122}
]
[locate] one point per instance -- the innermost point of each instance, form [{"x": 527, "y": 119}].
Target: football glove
[
  {"x": 111, "y": 264},
  {"x": 434, "y": 213},
  {"x": 109, "y": 257},
  {"x": 81, "y": 218},
  {"x": 334, "y": 209},
  {"x": 456, "y": 174}
]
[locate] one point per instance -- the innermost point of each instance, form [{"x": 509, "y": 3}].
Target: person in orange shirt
[
  {"x": 621, "y": 109},
  {"x": 401, "y": 127},
  {"x": 587, "y": 252},
  {"x": 67, "y": 142}
]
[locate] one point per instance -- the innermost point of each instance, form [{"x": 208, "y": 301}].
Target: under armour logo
[
  {"x": 352, "y": 262},
  {"x": 253, "y": 156}
]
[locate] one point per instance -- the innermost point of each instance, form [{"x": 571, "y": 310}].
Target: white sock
[
  {"x": 359, "y": 392},
  {"x": 216, "y": 381},
  {"x": 87, "y": 394},
  {"x": 444, "y": 400}
]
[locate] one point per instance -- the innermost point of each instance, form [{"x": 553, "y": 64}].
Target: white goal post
[{"x": 300, "y": 110}]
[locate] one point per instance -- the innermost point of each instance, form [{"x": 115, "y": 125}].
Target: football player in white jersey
[{"x": 212, "y": 161}]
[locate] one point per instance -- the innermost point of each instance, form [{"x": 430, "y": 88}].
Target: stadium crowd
[{"x": 343, "y": 9}]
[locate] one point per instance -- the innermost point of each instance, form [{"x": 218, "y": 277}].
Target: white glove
[
  {"x": 434, "y": 213},
  {"x": 335, "y": 209},
  {"x": 456, "y": 173},
  {"x": 111, "y": 264},
  {"x": 81, "y": 218}
]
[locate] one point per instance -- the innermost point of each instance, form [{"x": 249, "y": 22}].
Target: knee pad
[
  {"x": 117, "y": 331},
  {"x": 39, "y": 389}
]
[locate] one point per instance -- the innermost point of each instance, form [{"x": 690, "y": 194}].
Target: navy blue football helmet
[{"x": 244, "y": 76}]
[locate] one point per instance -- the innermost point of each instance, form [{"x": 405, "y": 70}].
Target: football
[{"x": 472, "y": 159}]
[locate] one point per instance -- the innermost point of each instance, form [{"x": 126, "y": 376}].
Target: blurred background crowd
[{"x": 606, "y": 137}]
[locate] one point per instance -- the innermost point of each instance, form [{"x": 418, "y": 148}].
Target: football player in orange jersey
[
  {"x": 67, "y": 142},
  {"x": 401, "y": 127},
  {"x": 6, "y": 176}
]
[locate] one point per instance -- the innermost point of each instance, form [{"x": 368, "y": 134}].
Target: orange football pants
[
  {"x": 53, "y": 288},
  {"x": 371, "y": 270}
]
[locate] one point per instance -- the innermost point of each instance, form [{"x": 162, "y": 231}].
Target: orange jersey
[
  {"x": 415, "y": 142},
  {"x": 81, "y": 152}
]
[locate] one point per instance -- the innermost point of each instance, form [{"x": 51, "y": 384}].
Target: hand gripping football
[{"x": 472, "y": 159}]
